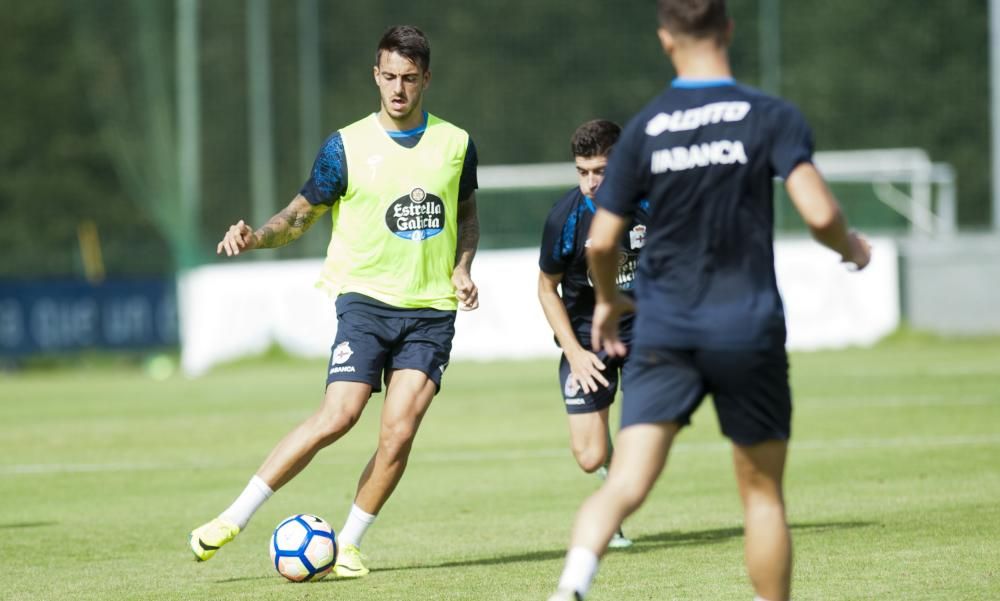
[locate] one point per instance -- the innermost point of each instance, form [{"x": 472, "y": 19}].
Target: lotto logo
[{"x": 693, "y": 118}]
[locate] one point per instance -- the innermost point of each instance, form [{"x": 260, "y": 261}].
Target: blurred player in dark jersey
[
  {"x": 588, "y": 380},
  {"x": 709, "y": 319}
]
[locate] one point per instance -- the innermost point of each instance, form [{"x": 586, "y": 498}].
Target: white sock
[
  {"x": 581, "y": 567},
  {"x": 249, "y": 501},
  {"x": 355, "y": 527},
  {"x": 759, "y": 598}
]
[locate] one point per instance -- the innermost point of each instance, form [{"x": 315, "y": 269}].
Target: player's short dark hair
[
  {"x": 594, "y": 138},
  {"x": 407, "y": 41},
  {"x": 695, "y": 18}
]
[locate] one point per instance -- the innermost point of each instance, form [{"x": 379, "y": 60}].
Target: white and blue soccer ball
[{"x": 303, "y": 547}]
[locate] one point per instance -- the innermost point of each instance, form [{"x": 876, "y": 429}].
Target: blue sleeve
[
  {"x": 792, "y": 142},
  {"x": 625, "y": 179},
  {"x": 328, "y": 179},
  {"x": 558, "y": 240},
  {"x": 470, "y": 173}
]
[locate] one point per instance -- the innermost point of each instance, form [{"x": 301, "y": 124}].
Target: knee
[
  {"x": 395, "y": 441},
  {"x": 332, "y": 422},
  {"x": 630, "y": 493},
  {"x": 590, "y": 458},
  {"x": 762, "y": 494},
  {"x": 590, "y": 448},
  {"x": 634, "y": 498},
  {"x": 764, "y": 504}
]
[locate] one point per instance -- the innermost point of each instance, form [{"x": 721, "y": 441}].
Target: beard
[{"x": 403, "y": 111}]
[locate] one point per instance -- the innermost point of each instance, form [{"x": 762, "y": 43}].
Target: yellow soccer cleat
[
  {"x": 349, "y": 565},
  {"x": 206, "y": 539}
]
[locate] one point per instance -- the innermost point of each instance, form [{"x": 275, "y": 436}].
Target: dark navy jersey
[
  {"x": 704, "y": 154},
  {"x": 327, "y": 181},
  {"x": 564, "y": 250}
]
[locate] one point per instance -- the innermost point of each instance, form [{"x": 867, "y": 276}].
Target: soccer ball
[{"x": 303, "y": 547}]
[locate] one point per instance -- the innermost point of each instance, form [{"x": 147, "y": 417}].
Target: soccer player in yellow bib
[{"x": 400, "y": 185}]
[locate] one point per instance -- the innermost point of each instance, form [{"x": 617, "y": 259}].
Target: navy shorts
[
  {"x": 749, "y": 389},
  {"x": 369, "y": 346},
  {"x": 579, "y": 402}
]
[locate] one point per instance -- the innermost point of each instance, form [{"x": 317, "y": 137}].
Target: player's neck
[
  {"x": 412, "y": 121},
  {"x": 702, "y": 60}
]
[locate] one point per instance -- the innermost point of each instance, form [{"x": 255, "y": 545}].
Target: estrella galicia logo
[
  {"x": 417, "y": 216},
  {"x": 628, "y": 261}
]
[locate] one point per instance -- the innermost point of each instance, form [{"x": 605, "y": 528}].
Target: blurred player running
[
  {"x": 709, "y": 317},
  {"x": 588, "y": 380}
]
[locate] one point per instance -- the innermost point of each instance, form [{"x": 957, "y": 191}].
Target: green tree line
[{"x": 87, "y": 91}]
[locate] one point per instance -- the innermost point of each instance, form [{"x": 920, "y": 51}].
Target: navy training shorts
[
  {"x": 749, "y": 389},
  {"x": 369, "y": 346},
  {"x": 576, "y": 400}
]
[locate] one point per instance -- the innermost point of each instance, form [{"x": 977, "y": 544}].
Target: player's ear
[
  {"x": 727, "y": 35},
  {"x": 375, "y": 73},
  {"x": 666, "y": 40},
  {"x": 427, "y": 79}
]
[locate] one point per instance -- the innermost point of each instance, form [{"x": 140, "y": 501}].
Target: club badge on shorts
[
  {"x": 572, "y": 387},
  {"x": 342, "y": 353}
]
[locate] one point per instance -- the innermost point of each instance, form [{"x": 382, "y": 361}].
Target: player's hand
[
  {"x": 605, "y": 326},
  {"x": 585, "y": 367},
  {"x": 465, "y": 289},
  {"x": 239, "y": 237},
  {"x": 859, "y": 252}
]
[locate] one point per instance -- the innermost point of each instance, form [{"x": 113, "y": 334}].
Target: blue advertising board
[{"x": 56, "y": 316}]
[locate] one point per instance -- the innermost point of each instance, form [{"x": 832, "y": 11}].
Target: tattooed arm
[
  {"x": 465, "y": 251},
  {"x": 290, "y": 223}
]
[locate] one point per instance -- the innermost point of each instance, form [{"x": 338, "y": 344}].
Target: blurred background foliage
[{"x": 88, "y": 97}]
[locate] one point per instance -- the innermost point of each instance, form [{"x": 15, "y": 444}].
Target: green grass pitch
[{"x": 893, "y": 485}]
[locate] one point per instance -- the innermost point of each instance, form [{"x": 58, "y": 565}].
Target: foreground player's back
[{"x": 705, "y": 154}]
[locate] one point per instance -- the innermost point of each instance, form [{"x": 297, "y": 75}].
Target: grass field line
[
  {"x": 514, "y": 454},
  {"x": 909, "y": 401}
]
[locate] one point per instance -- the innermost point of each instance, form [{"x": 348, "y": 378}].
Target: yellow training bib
[{"x": 395, "y": 229}]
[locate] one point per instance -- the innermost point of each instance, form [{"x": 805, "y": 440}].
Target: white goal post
[{"x": 928, "y": 204}]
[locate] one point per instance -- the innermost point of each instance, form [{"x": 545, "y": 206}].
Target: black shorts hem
[{"x": 587, "y": 407}]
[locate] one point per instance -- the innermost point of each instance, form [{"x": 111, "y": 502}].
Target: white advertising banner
[
  {"x": 827, "y": 306},
  {"x": 228, "y": 311}
]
